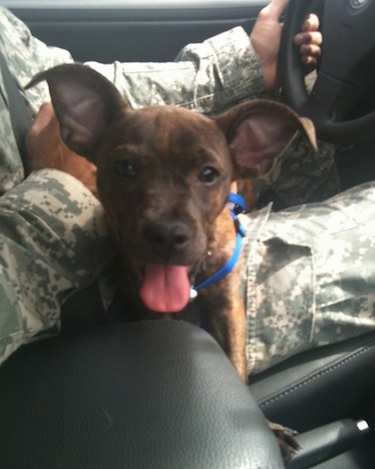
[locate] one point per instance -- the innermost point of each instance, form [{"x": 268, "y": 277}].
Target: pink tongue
[{"x": 165, "y": 288}]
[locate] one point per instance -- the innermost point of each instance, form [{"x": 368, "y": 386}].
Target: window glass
[{"x": 127, "y": 3}]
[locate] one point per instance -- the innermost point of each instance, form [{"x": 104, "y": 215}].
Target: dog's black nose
[{"x": 167, "y": 238}]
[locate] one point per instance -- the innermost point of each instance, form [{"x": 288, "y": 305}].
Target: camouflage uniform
[
  {"x": 53, "y": 240},
  {"x": 309, "y": 275},
  {"x": 51, "y": 225}
]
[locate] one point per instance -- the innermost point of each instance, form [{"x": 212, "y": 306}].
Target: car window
[
  {"x": 129, "y": 4},
  {"x": 131, "y": 30}
]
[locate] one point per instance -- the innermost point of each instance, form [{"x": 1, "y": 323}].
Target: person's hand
[
  {"x": 266, "y": 37},
  {"x": 309, "y": 41},
  {"x": 46, "y": 150}
]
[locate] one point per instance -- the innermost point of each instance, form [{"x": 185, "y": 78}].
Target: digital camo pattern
[
  {"x": 301, "y": 175},
  {"x": 51, "y": 242},
  {"x": 207, "y": 77},
  {"x": 51, "y": 229},
  {"x": 25, "y": 56},
  {"x": 309, "y": 276}
]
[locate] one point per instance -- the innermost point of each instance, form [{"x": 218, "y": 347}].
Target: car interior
[{"x": 162, "y": 394}]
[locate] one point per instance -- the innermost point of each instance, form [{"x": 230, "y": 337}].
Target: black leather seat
[
  {"x": 159, "y": 394},
  {"x": 141, "y": 395}
]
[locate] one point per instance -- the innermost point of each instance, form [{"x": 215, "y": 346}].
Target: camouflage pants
[
  {"x": 309, "y": 275},
  {"x": 52, "y": 240}
]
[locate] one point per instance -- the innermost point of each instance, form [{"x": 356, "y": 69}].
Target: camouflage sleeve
[
  {"x": 300, "y": 175},
  {"x": 53, "y": 240},
  {"x": 309, "y": 276},
  {"x": 208, "y": 77},
  {"x": 25, "y": 56}
]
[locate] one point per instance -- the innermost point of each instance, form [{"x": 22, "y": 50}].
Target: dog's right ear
[
  {"x": 258, "y": 132},
  {"x": 85, "y": 104}
]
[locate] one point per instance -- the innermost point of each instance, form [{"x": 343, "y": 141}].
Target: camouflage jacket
[{"x": 53, "y": 238}]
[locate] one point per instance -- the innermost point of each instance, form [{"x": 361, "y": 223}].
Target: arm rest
[{"x": 143, "y": 395}]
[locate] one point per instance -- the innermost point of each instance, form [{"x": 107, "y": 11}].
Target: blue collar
[{"x": 236, "y": 205}]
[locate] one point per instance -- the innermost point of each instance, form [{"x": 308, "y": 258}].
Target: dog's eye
[
  {"x": 209, "y": 175},
  {"x": 125, "y": 168}
]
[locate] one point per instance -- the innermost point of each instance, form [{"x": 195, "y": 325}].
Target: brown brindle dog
[{"x": 164, "y": 176}]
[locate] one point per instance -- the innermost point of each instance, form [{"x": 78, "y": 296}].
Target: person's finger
[
  {"x": 275, "y": 8},
  {"x": 44, "y": 116},
  {"x": 309, "y": 60},
  {"x": 311, "y": 23},
  {"x": 310, "y": 50},
  {"x": 314, "y": 38},
  {"x": 45, "y": 123}
]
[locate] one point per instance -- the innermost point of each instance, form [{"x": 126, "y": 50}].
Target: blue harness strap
[{"x": 236, "y": 205}]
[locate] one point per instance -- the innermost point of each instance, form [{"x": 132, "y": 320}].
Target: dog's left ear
[
  {"x": 258, "y": 132},
  {"x": 85, "y": 104}
]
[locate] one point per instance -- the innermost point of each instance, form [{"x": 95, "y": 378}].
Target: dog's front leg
[{"x": 227, "y": 324}]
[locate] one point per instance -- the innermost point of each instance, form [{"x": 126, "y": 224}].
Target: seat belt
[{"x": 19, "y": 114}]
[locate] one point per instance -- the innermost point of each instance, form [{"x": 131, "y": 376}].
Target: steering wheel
[{"x": 341, "y": 103}]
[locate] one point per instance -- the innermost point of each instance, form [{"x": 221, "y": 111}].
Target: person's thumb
[{"x": 275, "y": 8}]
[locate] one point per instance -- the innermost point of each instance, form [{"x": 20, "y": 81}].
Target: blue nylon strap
[
  {"x": 228, "y": 267},
  {"x": 239, "y": 203},
  {"x": 239, "y": 207}
]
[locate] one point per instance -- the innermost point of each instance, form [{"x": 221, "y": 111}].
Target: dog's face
[
  {"x": 164, "y": 176},
  {"x": 164, "y": 173}
]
